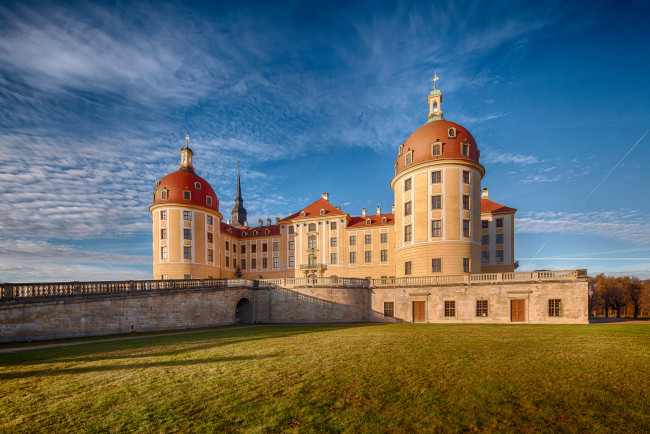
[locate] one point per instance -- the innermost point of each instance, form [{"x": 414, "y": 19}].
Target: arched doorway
[{"x": 244, "y": 312}]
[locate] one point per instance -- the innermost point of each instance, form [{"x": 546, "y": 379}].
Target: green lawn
[{"x": 362, "y": 378}]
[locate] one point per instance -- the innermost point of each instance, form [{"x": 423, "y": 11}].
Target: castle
[{"x": 442, "y": 222}]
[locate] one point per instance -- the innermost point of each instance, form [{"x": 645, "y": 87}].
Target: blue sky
[{"x": 316, "y": 97}]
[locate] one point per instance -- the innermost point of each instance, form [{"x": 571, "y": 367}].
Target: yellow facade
[{"x": 442, "y": 223}]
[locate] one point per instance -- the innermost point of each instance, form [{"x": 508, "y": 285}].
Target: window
[
  {"x": 276, "y": 246},
  {"x": 554, "y": 306},
  {"x": 292, "y": 261},
  {"x": 187, "y": 252},
  {"x": 243, "y": 249},
  {"x": 485, "y": 224},
  {"x": 389, "y": 308},
  {"x": 408, "y": 158},
  {"x": 163, "y": 234},
  {"x": 253, "y": 248},
  {"x": 481, "y": 308},
  {"x": 383, "y": 238},
  {"x": 163, "y": 277},
  {"x": 187, "y": 215},
  {"x": 265, "y": 263},
  {"x": 466, "y": 202},
  {"x": 333, "y": 226},
  {"x": 367, "y": 257},
  {"x": 499, "y": 255},
  {"x": 163, "y": 252},
  {"x": 485, "y": 257},
  {"x": 163, "y": 194},
  {"x": 466, "y": 232},
  {"x": 312, "y": 227},
  {"x": 353, "y": 257},
  {"x": 333, "y": 242},
  {"x": 465, "y": 177},
  {"x": 227, "y": 262},
  {"x": 435, "y": 177},
  {"x": 353, "y": 240},
  {"x": 436, "y": 202},
  {"x": 368, "y": 222},
  {"x": 234, "y": 263},
  {"x": 367, "y": 239},
  {"x": 227, "y": 246},
  {"x": 292, "y": 245},
  {"x": 436, "y": 265},
  {"x": 384, "y": 255},
  {"x": 436, "y": 228},
  {"x": 197, "y": 185},
  {"x": 408, "y": 235},
  {"x": 208, "y": 200},
  {"x": 253, "y": 264},
  {"x": 384, "y": 219},
  {"x": 465, "y": 265},
  {"x": 436, "y": 150},
  {"x": 209, "y": 219},
  {"x": 333, "y": 258},
  {"x": 187, "y": 195},
  {"x": 322, "y": 212},
  {"x": 163, "y": 215},
  {"x": 451, "y": 132},
  {"x": 464, "y": 149},
  {"x": 187, "y": 234},
  {"x": 407, "y": 208},
  {"x": 210, "y": 237},
  {"x": 407, "y": 184},
  {"x": 311, "y": 242},
  {"x": 276, "y": 262},
  {"x": 243, "y": 264},
  {"x": 450, "y": 308},
  {"x": 291, "y": 229},
  {"x": 187, "y": 276},
  {"x": 210, "y": 255},
  {"x": 400, "y": 150},
  {"x": 407, "y": 267},
  {"x": 485, "y": 240},
  {"x": 499, "y": 222},
  {"x": 499, "y": 238}
]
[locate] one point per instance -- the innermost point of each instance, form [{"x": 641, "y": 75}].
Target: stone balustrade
[
  {"x": 300, "y": 282},
  {"x": 524, "y": 276}
]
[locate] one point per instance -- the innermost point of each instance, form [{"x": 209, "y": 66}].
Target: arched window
[
  {"x": 383, "y": 220},
  {"x": 368, "y": 222},
  {"x": 302, "y": 214},
  {"x": 322, "y": 212}
]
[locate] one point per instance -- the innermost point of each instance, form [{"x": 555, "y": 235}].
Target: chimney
[
  {"x": 268, "y": 222},
  {"x": 363, "y": 212},
  {"x": 246, "y": 224},
  {"x": 326, "y": 196},
  {"x": 484, "y": 194},
  {"x": 338, "y": 207},
  {"x": 228, "y": 221},
  {"x": 260, "y": 222},
  {"x": 392, "y": 209},
  {"x": 378, "y": 210},
  {"x": 277, "y": 220}
]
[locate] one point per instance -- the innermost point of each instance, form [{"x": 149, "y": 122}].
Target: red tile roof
[
  {"x": 273, "y": 230},
  {"x": 375, "y": 220},
  {"x": 314, "y": 209},
  {"x": 489, "y": 206}
]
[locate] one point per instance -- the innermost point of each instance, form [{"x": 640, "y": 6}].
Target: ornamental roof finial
[
  {"x": 187, "y": 140},
  {"x": 435, "y": 79}
]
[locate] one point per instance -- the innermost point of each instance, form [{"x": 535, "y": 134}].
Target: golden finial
[
  {"x": 187, "y": 139},
  {"x": 435, "y": 79}
]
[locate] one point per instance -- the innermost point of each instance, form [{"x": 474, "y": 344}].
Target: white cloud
[{"x": 494, "y": 156}]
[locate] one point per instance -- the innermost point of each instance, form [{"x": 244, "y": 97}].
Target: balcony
[{"x": 313, "y": 266}]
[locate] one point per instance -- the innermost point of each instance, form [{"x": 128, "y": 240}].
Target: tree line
[{"x": 607, "y": 293}]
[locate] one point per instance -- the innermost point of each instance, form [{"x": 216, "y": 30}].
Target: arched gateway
[{"x": 244, "y": 312}]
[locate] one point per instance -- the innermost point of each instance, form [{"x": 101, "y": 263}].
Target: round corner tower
[{"x": 437, "y": 190}]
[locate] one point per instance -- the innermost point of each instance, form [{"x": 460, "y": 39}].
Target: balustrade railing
[{"x": 482, "y": 278}]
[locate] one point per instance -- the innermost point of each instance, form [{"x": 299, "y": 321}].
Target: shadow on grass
[
  {"x": 102, "y": 350},
  {"x": 96, "y": 369}
]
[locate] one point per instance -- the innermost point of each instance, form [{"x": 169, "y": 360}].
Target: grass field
[{"x": 358, "y": 378}]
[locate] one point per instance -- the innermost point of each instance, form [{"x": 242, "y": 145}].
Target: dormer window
[
  {"x": 408, "y": 158},
  {"x": 384, "y": 220},
  {"x": 436, "y": 149},
  {"x": 266, "y": 231},
  {"x": 163, "y": 195},
  {"x": 208, "y": 200},
  {"x": 157, "y": 184},
  {"x": 464, "y": 149},
  {"x": 229, "y": 231},
  {"x": 322, "y": 212},
  {"x": 187, "y": 195},
  {"x": 244, "y": 234},
  {"x": 368, "y": 222},
  {"x": 400, "y": 150},
  {"x": 302, "y": 214},
  {"x": 396, "y": 167},
  {"x": 255, "y": 233},
  {"x": 451, "y": 132}
]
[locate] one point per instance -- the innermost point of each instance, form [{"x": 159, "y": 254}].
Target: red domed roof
[
  {"x": 437, "y": 131},
  {"x": 177, "y": 183}
]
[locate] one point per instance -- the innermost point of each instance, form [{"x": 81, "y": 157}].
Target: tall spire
[
  {"x": 434, "y": 100},
  {"x": 238, "y": 212},
  {"x": 186, "y": 156}
]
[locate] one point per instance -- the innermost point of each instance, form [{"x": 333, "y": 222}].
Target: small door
[
  {"x": 418, "y": 311},
  {"x": 517, "y": 310}
]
